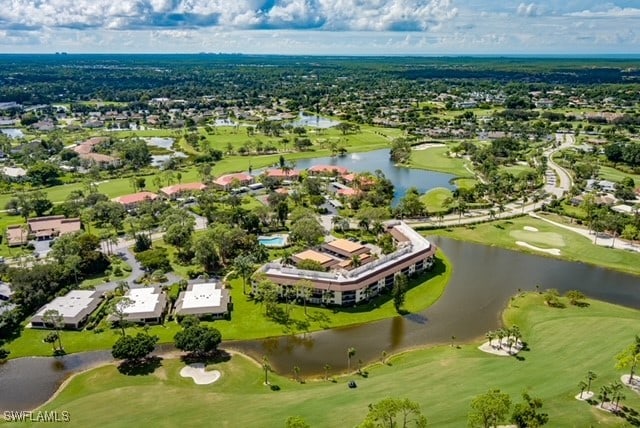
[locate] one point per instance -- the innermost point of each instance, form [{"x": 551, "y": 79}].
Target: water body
[
  {"x": 163, "y": 143},
  {"x": 483, "y": 280},
  {"x": 314, "y": 121},
  {"x": 12, "y": 132},
  {"x": 402, "y": 178}
]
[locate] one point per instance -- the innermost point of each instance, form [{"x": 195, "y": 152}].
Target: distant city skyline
[{"x": 322, "y": 27}]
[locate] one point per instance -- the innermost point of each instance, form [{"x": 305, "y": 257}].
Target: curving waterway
[{"x": 483, "y": 280}]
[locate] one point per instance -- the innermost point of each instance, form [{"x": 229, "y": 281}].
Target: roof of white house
[
  {"x": 144, "y": 300},
  {"x": 204, "y": 298},
  {"x": 15, "y": 172},
  {"x": 73, "y": 305}
]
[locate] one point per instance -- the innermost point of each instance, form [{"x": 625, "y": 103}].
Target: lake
[
  {"x": 314, "y": 121},
  {"x": 401, "y": 177}
]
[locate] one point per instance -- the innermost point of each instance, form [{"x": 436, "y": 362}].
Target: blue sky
[{"x": 342, "y": 27}]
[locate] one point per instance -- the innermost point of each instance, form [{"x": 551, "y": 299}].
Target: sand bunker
[
  {"x": 634, "y": 386},
  {"x": 199, "y": 375},
  {"x": 530, "y": 229},
  {"x": 426, "y": 146},
  {"x": 586, "y": 395},
  {"x": 552, "y": 251},
  {"x": 501, "y": 350}
]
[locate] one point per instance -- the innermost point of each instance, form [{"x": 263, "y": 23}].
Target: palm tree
[
  {"x": 377, "y": 227},
  {"x": 355, "y": 261},
  {"x": 121, "y": 288},
  {"x": 296, "y": 373},
  {"x": 350, "y": 353},
  {"x": 590, "y": 377},
  {"x": 500, "y": 334},
  {"x": 604, "y": 393},
  {"x": 582, "y": 385},
  {"x": 243, "y": 265},
  {"x": 267, "y": 368},
  {"x": 616, "y": 393},
  {"x": 327, "y": 367},
  {"x": 364, "y": 224},
  {"x": 490, "y": 335},
  {"x": 54, "y": 318}
]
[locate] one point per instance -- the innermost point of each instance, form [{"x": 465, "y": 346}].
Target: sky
[{"x": 322, "y": 27}]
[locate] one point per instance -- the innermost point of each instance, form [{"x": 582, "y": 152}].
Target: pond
[
  {"x": 314, "y": 121},
  {"x": 401, "y": 177},
  {"x": 163, "y": 143},
  {"x": 483, "y": 280},
  {"x": 12, "y": 132}
]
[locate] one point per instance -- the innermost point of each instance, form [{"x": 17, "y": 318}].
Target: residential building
[
  {"x": 42, "y": 228},
  {"x": 74, "y": 307},
  {"x": 354, "y": 272},
  {"x": 280, "y": 174},
  {"x": 148, "y": 306},
  {"x": 177, "y": 190},
  {"x": 229, "y": 181},
  {"x": 135, "y": 199},
  {"x": 14, "y": 173},
  {"x": 328, "y": 170},
  {"x": 204, "y": 300}
]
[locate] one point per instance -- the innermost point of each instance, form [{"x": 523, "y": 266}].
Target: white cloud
[
  {"x": 615, "y": 12},
  {"x": 527, "y": 9}
]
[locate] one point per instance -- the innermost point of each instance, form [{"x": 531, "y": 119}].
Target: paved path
[{"x": 603, "y": 240}]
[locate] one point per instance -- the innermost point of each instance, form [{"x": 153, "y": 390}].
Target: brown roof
[
  {"x": 135, "y": 198},
  {"x": 16, "y": 235},
  {"x": 87, "y": 146},
  {"x": 397, "y": 235},
  {"x": 345, "y": 245},
  {"x": 178, "y": 188},
  {"x": 315, "y": 256},
  {"x": 97, "y": 157},
  {"x": 54, "y": 224},
  {"x": 280, "y": 173}
]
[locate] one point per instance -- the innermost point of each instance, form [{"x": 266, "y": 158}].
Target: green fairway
[
  {"x": 576, "y": 247},
  {"x": 612, "y": 174},
  {"x": 436, "y": 159},
  {"x": 249, "y": 322},
  {"x": 434, "y": 199},
  {"x": 564, "y": 344}
]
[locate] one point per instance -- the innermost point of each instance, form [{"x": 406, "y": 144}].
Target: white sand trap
[
  {"x": 426, "y": 146},
  {"x": 586, "y": 395},
  {"x": 199, "y": 375},
  {"x": 634, "y": 386},
  {"x": 501, "y": 351},
  {"x": 552, "y": 251},
  {"x": 530, "y": 229}
]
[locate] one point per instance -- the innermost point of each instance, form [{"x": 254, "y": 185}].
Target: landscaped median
[
  {"x": 248, "y": 320},
  {"x": 563, "y": 344}
]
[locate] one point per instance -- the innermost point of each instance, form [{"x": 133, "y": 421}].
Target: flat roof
[
  {"x": 314, "y": 255},
  {"x": 72, "y": 304},
  {"x": 202, "y": 295},
  {"x": 345, "y": 245},
  {"x": 144, "y": 300}
]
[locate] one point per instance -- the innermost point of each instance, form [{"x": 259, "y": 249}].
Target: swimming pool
[{"x": 274, "y": 241}]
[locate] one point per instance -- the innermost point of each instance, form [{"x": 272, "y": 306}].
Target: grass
[
  {"x": 576, "y": 247},
  {"x": 436, "y": 159},
  {"x": 612, "y": 174},
  {"x": 564, "y": 344},
  {"x": 249, "y": 322},
  {"x": 466, "y": 183},
  {"x": 434, "y": 199}
]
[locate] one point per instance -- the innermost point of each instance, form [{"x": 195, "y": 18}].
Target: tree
[
  {"x": 243, "y": 266},
  {"x": 296, "y": 422},
  {"x": 591, "y": 376},
  {"x": 629, "y": 358},
  {"x": 575, "y": 297},
  {"x": 4, "y": 354},
  {"x": 489, "y": 409},
  {"x": 399, "y": 291},
  {"x": 394, "y": 412},
  {"x": 134, "y": 348},
  {"x": 350, "y": 353},
  {"x": 527, "y": 415},
  {"x": 205, "y": 251},
  {"x": 582, "y": 385},
  {"x": 119, "y": 310},
  {"x": 307, "y": 231},
  {"x": 198, "y": 339},
  {"x": 411, "y": 205},
  {"x": 52, "y": 318},
  {"x": 327, "y": 367},
  {"x": 43, "y": 174},
  {"x": 551, "y": 298},
  {"x": 267, "y": 368},
  {"x": 154, "y": 259},
  {"x": 303, "y": 290}
]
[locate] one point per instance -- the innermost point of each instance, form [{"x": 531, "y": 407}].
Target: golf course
[{"x": 563, "y": 344}]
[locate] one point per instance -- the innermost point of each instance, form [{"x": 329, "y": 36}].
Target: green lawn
[
  {"x": 576, "y": 247},
  {"x": 435, "y": 198},
  {"x": 612, "y": 174},
  {"x": 466, "y": 183},
  {"x": 436, "y": 159},
  {"x": 249, "y": 322},
  {"x": 564, "y": 344}
]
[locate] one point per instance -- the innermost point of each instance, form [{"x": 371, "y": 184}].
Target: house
[
  {"x": 177, "y": 190},
  {"x": 14, "y": 173},
  {"x": 333, "y": 170},
  {"x": 280, "y": 174},
  {"x": 229, "y": 181},
  {"x": 345, "y": 284},
  {"x": 74, "y": 307},
  {"x": 147, "y": 306},
  {"x": 601, "y": 185},
  {"x": 85, "y": 151},
  {"x": 42, "y": 228},
  {"x": 135, "y": 199},
  {"x": 5, "y": 291},
  {"x": 204, "y": 300}
]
